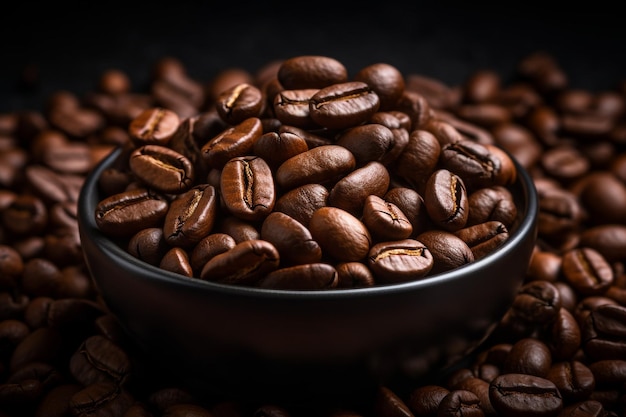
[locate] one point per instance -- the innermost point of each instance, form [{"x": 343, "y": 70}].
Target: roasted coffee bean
[
  {"x": 368, "y": 142},
  {"x": 26, "y": 215},
  {"x": 604, "y": 332},
  {"x": 586, "y": 270},
  {"x": 419, "y": 159},
  {"x": 528, "y": 356},
  {"x": 544, "y": 266},
  {"x": 514, "y": 394},
  {"x": 275, "y": 148},
  {"x": 301, "y": 202},
  {"x": 445, "y": 198},
  {"x": 154, "y": 126},
  {"x": 104, "y": 398},
  {"x": 98, "y": 359},
  {"x": 385, "y": 220},
  {"x": 238, "y": 229},
  {"x": 321, "y": 165},
  {"x": 127, "y": 213},
  {"x": 537, "y": 302},
  {"x": 191, "y": 216},
  {"x": 177, "y": 260},
  {"x": 292, "y": 107},
  {"x": 460, "y": 403},
  {"x": 484, "y": 238},
  {"x": 608, "y": 240},
  {"x": 574, "y": 380},
  {"x": 245, "y": 263},
  {"x": 400, "y": 260},
  {"x": 388, "y": 403},
  {"x": 310, "y": 276},
  {"x": 411, "y": 203},
  {"x": 162, "y": 169},
  {"x": 291, "y": 238},
  {"x": 235, "y": 141},
  {"x": 424, "y": 400},
  {"x": 354, "y": 275},
  {"x": 587, "y": 408},
  {"x": 149, "y": 245},
  {"x": 342, "y": 105},
  {"x": 385, "y": 80},
  {"x": 208, "y": 247},
  {"x": 340, "y": 234},
  {"x": 240, "y": 102},
  {"x": 448, "y": 250},
  {"x": 311, "y": 71},
  {"x": 247, "y": 188},
  {"x": 351, "y": 192}
]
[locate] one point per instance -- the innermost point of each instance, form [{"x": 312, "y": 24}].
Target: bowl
[{"x": 247, "y": 343}]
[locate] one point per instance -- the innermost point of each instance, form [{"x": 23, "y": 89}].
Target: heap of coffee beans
[
  {"x": 560, "y": 350},
  {"x": 309, "y": 179}
]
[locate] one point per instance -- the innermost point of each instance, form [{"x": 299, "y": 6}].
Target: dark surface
[{"x": 49, "y": 46}]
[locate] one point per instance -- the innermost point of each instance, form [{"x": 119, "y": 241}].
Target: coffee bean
[
  {"x": 342, "y": 105},
  {"x": 515, "y": 394}
]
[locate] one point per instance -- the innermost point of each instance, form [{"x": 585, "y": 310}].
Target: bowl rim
[{"x": 88, "y": 230}]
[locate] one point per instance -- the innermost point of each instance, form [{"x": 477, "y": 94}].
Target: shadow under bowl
[{"x": 251, "y": 343}]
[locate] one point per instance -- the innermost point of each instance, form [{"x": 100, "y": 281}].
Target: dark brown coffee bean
[
  {"x": 609, "y": 372},
  {"x": 208, "y": 247},
  {"x": 340, "y": 235},
  {"x": 55, "y": 402},
  {"x": 292, "y": 107},
  {"x": 166, "y": 397},
  {"x": 480, "y": 388},
  {"x": 301, "y": 202},
  {"x": 537, "y": 302},
  {"x": 608, "y": 240},
  {"x": 574, "y": 380},
  {"x": 98, "y": 359},
  {"x": 149, "y": 245},
  {"x": 153, "y": 126},
  {"x": 73, "y": 314},
  {"x": 240, "y": 230},
  {"x": 321, "y": 165},
  {"x": 247, "y": 188},
  {"x": 484, "y": 238},
  {"x": 310, "y": 276},
  {"x": 26, "y": 215},
  {"x": 544, "y": 266},
  {"x": 20, "y": 395},
  {"x": 385, "y": 220},
  {"x": 177, "y": 260},
  {"x": 528, "y": 356},
  {"x": 233, "y": 142},
  {"x": 587, "y": 408},
  {"x": 12, "y": 332},
  {"x": 101, "y": 398},
  {"x": 41, "y": 345},
  {"x": 411, "y": 203},
  {"x": 127, "y": 213},
  {"x": 239, "y": 103},
  {"x": 191, "y": 216},
  {"x": 387, "y": 403},
  {"x": 400, "y": 260},
  {"x": 586, "y": 270},
  {"x": 350, "y": 193},
  {"x": 311, "y": 71},
  {"x": 291, "y": 238},
  {"x": 11, "y": 266},
  {"x": 385, "y": 80},
  {"x": 354, "y": 275},
  {"x": 473, "y": 162},
  {"x": 368, "y": 142},
  {"x": 445, "y": 198},
  {"x": 560, "y": 212},
  {"x": 448, "y": 250},
  {"x": 424, "y": 400},
  {"x": 525, "y": 395},
  {"x": 343, "y": 105},
  {"x": 564, "y": 163},
  {"x": 604, "y": 332},
  {"x": 162, "y": 169},
  {"x": 244, "y": 264},
  {"x": 275, "y": 148},
  {"x": 460, "y": 403},
  {"x": 419, "y": 159}
]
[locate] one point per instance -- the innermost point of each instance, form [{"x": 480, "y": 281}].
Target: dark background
[{"x": 50, "y": 46}]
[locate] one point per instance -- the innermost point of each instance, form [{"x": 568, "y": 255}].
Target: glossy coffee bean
[
  {"x": 127, "y": 213},
  {"x": 311, "y": 71},
  {"x": 400, "y": 260},
  {"x": 340, "y": 234},
  {"x": 448, "y": 250},
  {"x": 292, "y": 107},
  {"x": 291, "y": 238},
  {"x": 385, "y": 220},
  {"x": 445, "y": 198},
  {"x": 484, "y": 238},
  {"x": 162, "y": 169},
  {"x": 247, "y": 188},
  {"x": 523, "y": 395},
  {"x": 343, "y": 105},
  {"x": 191, "y": 216},
  {"x": 235, "y": 141},
  {"x": 244, "y": 264},
  {"x": 350, "y": 193},
  {"x": 586, "y": 270},
  {"x": 240, "y": 102},
  {"x": 310, "y": 276}
]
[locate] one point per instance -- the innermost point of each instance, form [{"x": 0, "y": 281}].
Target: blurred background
[{"x": 48, "y": 46}]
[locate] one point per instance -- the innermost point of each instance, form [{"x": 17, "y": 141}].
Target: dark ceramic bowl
[{"x": 249, "y": 342}]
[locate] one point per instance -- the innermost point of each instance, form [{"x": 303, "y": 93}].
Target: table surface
[{"x": 68, "y": 47}]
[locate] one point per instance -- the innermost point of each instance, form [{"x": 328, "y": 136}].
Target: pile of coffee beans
[
  {"x": 560, "y": 350},
  {"x": 309, "y": 179}
]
